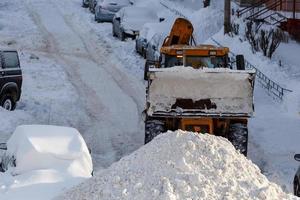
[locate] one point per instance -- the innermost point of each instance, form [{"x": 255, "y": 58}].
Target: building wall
[{"x": 287, "y": 5}]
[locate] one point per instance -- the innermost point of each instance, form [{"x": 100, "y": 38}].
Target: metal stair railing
[
  {"x": 249, "y": 8},
  {"x": 264, "y": 10},
  {"x": 273, "y": 88}
]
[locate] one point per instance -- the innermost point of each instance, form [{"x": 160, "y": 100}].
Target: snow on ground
[
  {"x": 48, "y": 160},
  {"x": 99, "y": 88},
  {"x": 180, "y": 165}
]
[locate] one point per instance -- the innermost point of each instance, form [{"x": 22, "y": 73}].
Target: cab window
[
  {"x": 10, "y": 60},
  {"x": 209, "y": 62}
]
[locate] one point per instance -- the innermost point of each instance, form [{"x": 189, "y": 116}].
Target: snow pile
[
  {"x": 180, "y": 165},
  {"x": 50, "y": 147}
]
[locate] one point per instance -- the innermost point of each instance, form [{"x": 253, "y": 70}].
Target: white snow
[
  {"x": 180, "y": 165},
  {"x": 48, "y": 159},
  {"x": 230, "y": 90}
]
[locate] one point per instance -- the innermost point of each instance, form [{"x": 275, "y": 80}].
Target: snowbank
[
  {"x": 50, "y": 147},
  {"x": 180, "y": 165}
]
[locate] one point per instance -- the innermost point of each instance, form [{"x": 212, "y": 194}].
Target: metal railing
[{"x": 273, "y": 88}]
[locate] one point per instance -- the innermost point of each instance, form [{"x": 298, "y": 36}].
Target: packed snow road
[{"x": 110, "y": 100}]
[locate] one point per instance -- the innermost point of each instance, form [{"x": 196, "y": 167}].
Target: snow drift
[{"x": 180, "y": 165}]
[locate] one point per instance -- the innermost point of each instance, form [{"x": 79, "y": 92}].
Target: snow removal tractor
[{"x": 198, "y": 89}]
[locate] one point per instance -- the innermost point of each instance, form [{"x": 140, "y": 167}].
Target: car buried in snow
[
  {"x": 297, "y": 178},
  {"x": 105, "y": 10},
  {"x": 42, "y": 147},
  {"x": 10, "y": 79},
  {"x": 128, "y": 22}
]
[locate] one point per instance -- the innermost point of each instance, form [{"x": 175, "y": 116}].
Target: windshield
[
  {"x": 209, "y": 62},
  {"x": 171, "y": 61}
]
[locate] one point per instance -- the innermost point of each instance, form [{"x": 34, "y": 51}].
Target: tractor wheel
[
  {"x": 152, "y": 129},
  {"x": 239, "y": 137},
  {"x": 146, "y": 69},
  {"x": 7, "y": 102},
  {"x": 296, "y": 187}
]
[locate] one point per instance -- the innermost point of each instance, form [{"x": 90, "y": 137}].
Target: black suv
[{"x": 10, "y": 79}]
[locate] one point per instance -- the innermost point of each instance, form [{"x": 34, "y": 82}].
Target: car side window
[{"x": 10, "y": 59}]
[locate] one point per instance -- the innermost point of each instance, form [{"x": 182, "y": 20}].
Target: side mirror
[
  {"x": 297, "y": 157},
  {"x": 240, "y": 62},
  {"x": 118, "y": 18},
  {"x": 161, "y": 19}
]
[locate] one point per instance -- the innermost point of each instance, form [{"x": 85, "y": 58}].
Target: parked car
[
  {"x": 35, "y": 147},
  {"x": 85, "y": 3},
  {"x": 143, "y": 38},
  {"x": 154, "y": 44},
  {"x": 105, "y": 11},
  {"x": 129, "y": 21},
  {"x": 10, "y": 79},
  {"x": 297, "y": 178}
]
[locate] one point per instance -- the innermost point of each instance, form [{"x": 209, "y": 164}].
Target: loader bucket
[{"x": 184, "y": 91}]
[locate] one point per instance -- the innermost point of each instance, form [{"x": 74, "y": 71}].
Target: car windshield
[{"x": 209, "y": 62}]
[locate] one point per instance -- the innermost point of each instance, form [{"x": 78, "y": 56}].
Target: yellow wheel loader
[{"x": 198, "y": 88}]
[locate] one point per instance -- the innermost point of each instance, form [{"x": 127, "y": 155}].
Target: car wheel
[
  {"x": 296, "y": 187},
  {"x": 7, "y": 102}
]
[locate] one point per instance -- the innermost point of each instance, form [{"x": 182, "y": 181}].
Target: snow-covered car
[
  {"x": 161, "y": 31},
  {"x": 35, "y": 147},
  {"x": 297, "y": 178},
  {"x": 153, "y": 47},
  {"x": 85, "y": 3},
  {"x": 129, "y": 21},
  {"x": 105, "y": 10},
  {"x": 146, "y": 33},
  {"x": 10, "y": 79}
]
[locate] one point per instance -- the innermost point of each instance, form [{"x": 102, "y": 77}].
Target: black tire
[
  {"x": 7, "y": 102},
  {"x": 240, "y": 62},
  {"x": 238, "y": 136},
  {"x": 296, "y": 187},
  {"x": 144, "y": 54},
  {"x": 146, "y": 70},
  {"x": 152, "y": 129}
]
